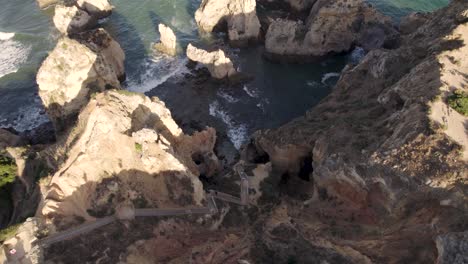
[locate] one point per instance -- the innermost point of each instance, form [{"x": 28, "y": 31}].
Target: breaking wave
[
  {"x": 237, "y": 133},
  {"x": 12, "y": 54}
]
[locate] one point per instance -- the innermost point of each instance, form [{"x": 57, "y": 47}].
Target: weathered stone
[
  {"x": 216, "y": 61},
  {"x": 240, "y": 16},
  {"x": 70, "y": 19},
  {"x": 168, "y": 40},
  {"x": 332, "y": 27},
  {"x": 66, "y": 81},
  {"x": 128, "y": 147}
]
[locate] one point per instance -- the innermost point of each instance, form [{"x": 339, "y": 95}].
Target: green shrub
[
  {"x": 7, "y": 171},
  {"x": 459, "y": 102}
]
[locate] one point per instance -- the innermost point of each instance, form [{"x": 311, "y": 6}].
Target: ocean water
[{"x": 276, "y": 94}]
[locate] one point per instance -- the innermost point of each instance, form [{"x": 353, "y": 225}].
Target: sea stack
[{"x": 168, "y": 41}]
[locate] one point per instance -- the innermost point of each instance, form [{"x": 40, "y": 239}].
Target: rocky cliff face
[
  {"x": 66, "y": 81},
  {"x": 239, "y": 17},
  {"x": 384, "y": 151},
  {"x": 125, "y": 149},
  {"x": 331, "y": 27}
]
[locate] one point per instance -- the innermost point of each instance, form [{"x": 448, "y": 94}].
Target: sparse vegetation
[
  {"x": 459, "y": 102},
  {"x": 8, "y": 232},
  {"x": 138, "y": 147},
  {"x": 7, "y": 171}
]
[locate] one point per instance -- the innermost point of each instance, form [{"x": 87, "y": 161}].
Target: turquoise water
[{"x": 277, "y": 93}]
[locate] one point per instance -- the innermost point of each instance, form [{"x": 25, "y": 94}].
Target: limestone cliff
[
  {"x": 383, "y": 151},
  {"x": 126, "y": 148},
  {"x": 331, "y": 27},
  {"x": 239, "y": 16},
  {"x": 66, "y": 81}
]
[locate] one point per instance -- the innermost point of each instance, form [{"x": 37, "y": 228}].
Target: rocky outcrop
[
  {"x": 412, "y": 22},
  {"x": 125, "y": 149},
  {"x": 67, "y": 81},
  {"x": 168, "y": 40},
  {"x": 96, "y": 8},
  {"x": 383, "y": 147},
  {"x": 216, "y": 61},
  {"x": 332, "y": 27},
  {"x": 239, "y": 16},
  {"x": 452, "y": 248},
  {"x": 71, "y": 19},
  {"x": 77, "y": 16}
]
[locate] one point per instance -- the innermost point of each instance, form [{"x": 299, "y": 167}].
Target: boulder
[
  {"x": 452, "y": 248},
  {"x": 412, "y": 22},
  {"x": 96, "y": 8},
  {"x": 168, "y": 42},
  {"x": 71, "y": 19},
  {"x": 66, "y": 81},
  {"x": 332, "y": 27},
  {"x": 125, "y": 149},
  {"x": 239, "y": 16},
  {"x": 216, "y": 61}
]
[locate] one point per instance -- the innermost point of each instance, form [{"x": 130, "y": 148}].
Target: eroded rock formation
[
  {"x": 71, "y": 19},
  {"x": 239, "y": 16},
  {"x": 126, "y": 148},
  {"x": 382, "y": 151},
  {"x": 216, "y": 61},
  {"x": 332, "y": 27},
  {"x": 66, "y": 81},
  {"x": 168, "y": 40}
]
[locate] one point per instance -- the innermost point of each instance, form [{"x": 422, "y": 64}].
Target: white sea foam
[
  {"x": 328, "y": 76},
  {"x": 6, "y": 36},
  {"x": 12, "y": 54},
  {"x": 237, "y": 133},
  {"x": 157, "y": 71},
  {"x": 28, "y": 117},
  {"x": 226, "y": 96},
  {"x": 251, "y": 91},
  {"x": 312, "y": 83}
]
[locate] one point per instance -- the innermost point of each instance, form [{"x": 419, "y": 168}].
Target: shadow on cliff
[{"x": 378, "y": 124}]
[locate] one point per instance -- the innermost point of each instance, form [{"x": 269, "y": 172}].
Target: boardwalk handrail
[{"x": 210, "y": 209}]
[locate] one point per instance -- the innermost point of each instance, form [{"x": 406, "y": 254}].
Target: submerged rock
[
  {"x": 216, "y": 61},
  {"x": 168, "y": 42},
  {"x": 66, "y": 81},
  {"x": 239, "y": 16},
  {"x": 332, "y": 26},
  {"x": 125, "y": 149}
]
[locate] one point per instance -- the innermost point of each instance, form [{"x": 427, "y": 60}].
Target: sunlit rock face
[
  {"x": 66, "y": 81},
  {"x": 71, "y": 19},
  {"x": 239, "y": 16},
  {"x": 216, "y": 61},
  {"x": 168, "y": 41},
  {"x": 126, "y": 149},
  {"x": 332, "y": 27}
]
